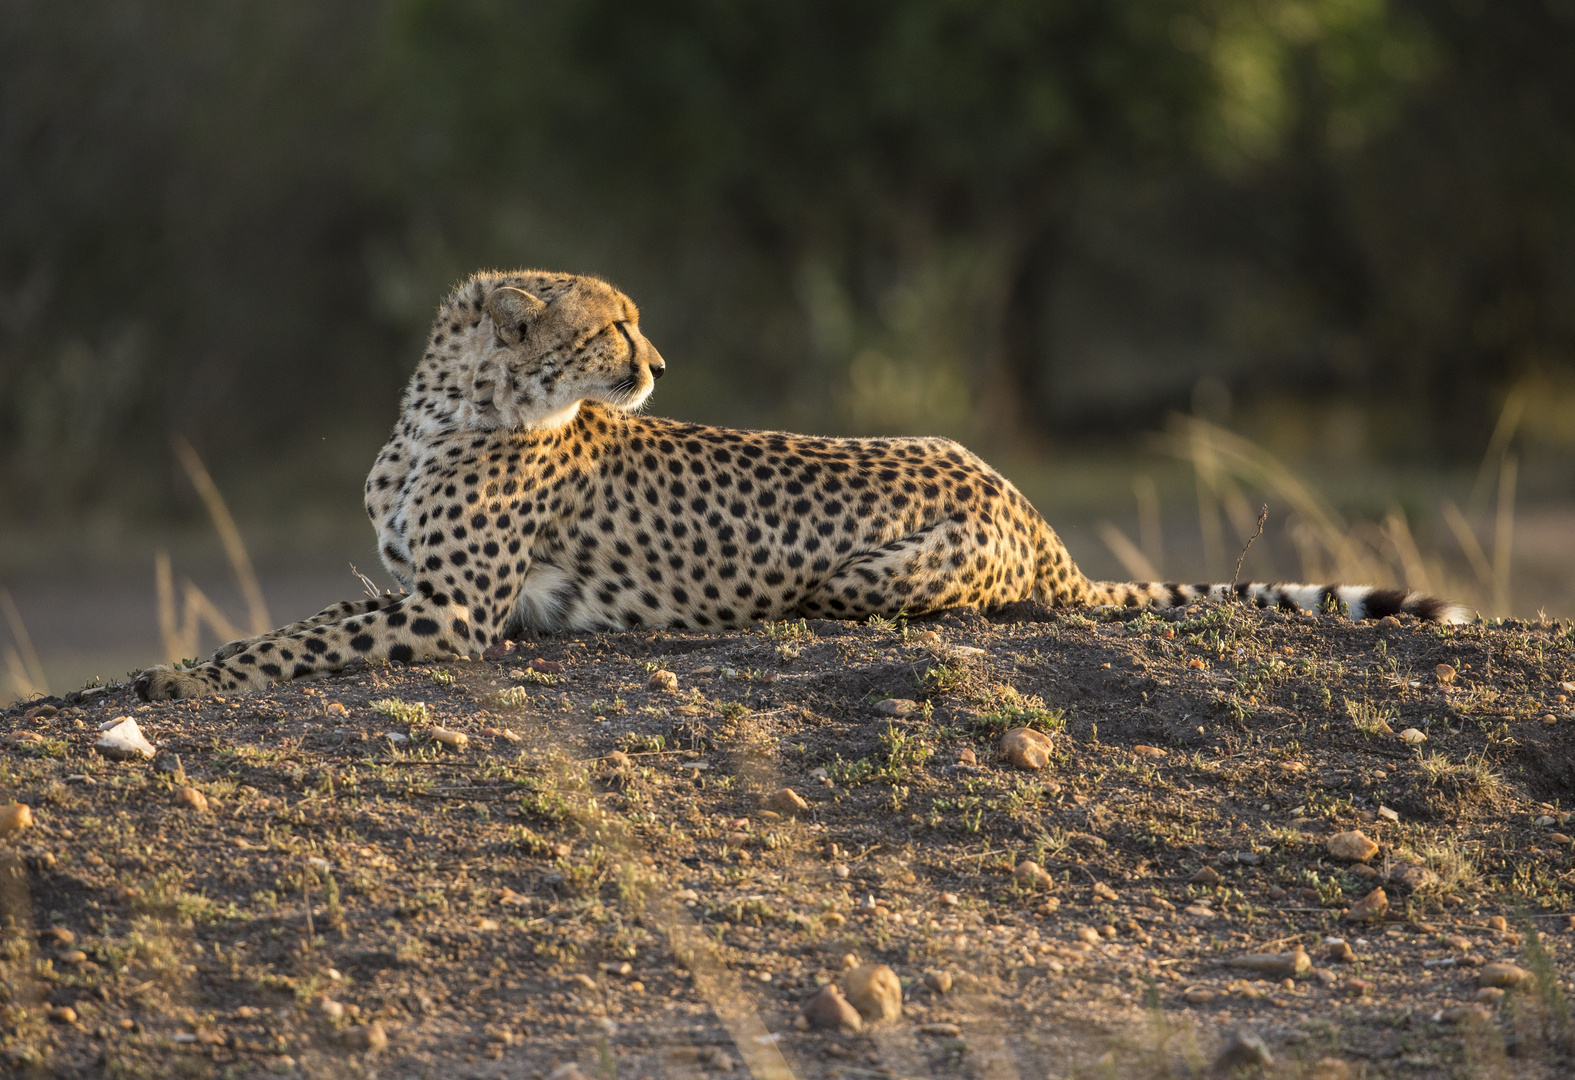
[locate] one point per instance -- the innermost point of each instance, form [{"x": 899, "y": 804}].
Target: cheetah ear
[{"x": 514, "y": 312}]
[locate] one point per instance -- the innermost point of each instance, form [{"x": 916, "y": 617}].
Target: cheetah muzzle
[{"x": 521, "y": 489}]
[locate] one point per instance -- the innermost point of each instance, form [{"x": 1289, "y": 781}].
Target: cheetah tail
[{"x": 1361, "y": 601}]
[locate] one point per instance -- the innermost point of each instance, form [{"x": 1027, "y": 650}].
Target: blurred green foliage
[{"x": 995, "y": 219}]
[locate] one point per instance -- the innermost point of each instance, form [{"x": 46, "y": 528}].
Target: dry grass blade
[
  {"x": 1509, "y": 418},
  {"x": 1469, "y": 545},
  {"x": 27, "y": 672},
  {"x": 234, "y": 548},
  {"x": 1129, "y": 554},
  {"x": 1504, "y": 533},
  {"x": 182, "y": 634},
  {"x": 1150, "y": 536}
]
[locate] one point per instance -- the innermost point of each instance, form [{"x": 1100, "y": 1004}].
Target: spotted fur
[{"x": 521, "y": 488}]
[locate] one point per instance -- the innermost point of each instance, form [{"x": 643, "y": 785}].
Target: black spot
[
  {"x": 423, "y": 627},
  {"x": 362, "y": 643}
]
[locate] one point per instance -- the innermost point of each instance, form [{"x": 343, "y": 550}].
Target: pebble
[
  {"x": 1102, "y": 891},
  {"x": 1503, "y": 973},
  {"x": 874, "y": 990},
  {"x": 1489, "y": 995},
  {"x": 1497, "y": 922},
  {"x": 331, "y": 1008},
  {"x": 1206, "y": 876},
  {"x": 1340, "y": 952},
  {"x": 1198, "y": 995},
  {"x": 73, "y": 956},
  {"x": 1445, "y": 673},
  {"x": 1089, "y": 934},
  {"x": 371, "y": 1038},
  {"x": 546, "y": 667},
  {"x": 1413, "y": 876},
  {"x": 621, "y": 968},
  {"x": 1355, "y": 987},
  {"x": 1370, "y": 907},
  {"x": 1143, "y": 750},
  {"x": 63, "y": 1014},
  {"x": 454, "y": 740},
  {"x": 942, "y": 1029},
  {"x": 1244, "y": 1050},
  {"x": 506, "y": 734},
  {"x": 938, "y": 981},
  {"x": 56, "y": 935},
  {"x": 122, "y": 740},
  {"x": 966, "y": 756},
  {"x": 787, "y": 802},
  {"x": 1412, "y": 736},
  {"x": 1354, "y": 846},
  {"x": 191, "y": 799},
  {"x": 949, "y": 899},
  {"x": 830, "y": 1010},
  {"x": 1285, "y": 965},
  {"x": 15, "y": 817},
  {"x": 1030, "y": 875},
  {"x": 1026, "y": 748},
  {"x": 662, "y": 679},
  {"x": 896, "y": 707}
]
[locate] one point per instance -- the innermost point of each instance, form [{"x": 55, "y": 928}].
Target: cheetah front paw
[{"x": 166, "y": 684}]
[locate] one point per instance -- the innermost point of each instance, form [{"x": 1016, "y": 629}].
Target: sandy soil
[{"x": 605, "y": 873}]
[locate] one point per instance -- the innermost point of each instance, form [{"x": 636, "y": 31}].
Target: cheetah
[{"x": 522, "y": 488}]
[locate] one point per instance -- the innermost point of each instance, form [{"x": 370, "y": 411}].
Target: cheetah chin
[{"x": 520, "y": 488}]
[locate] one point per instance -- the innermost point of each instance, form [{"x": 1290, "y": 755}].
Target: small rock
[
  {"x": 506, "y": 734},
  {"x": 1445, "y": 673},
  {"x": 1413, "y": 876},
  {"x": 966, "y": 756},
  {"x": 896, "y": 707},
  {"x": 616, "y": 761},
  {"x": 621, "y": 968},
  {"x": 1464, "y": 1014},
  {"x": 1503, "y": 973},
  {"x": 1244, "y": 1050},
  {"x": 1354, "y": 846},
  {"x": 1030, "y": 875},
  {"x": 1286, "y": 965},
  {"x": 498, "y": 650},
  {"x": 830, "y": 1010},
  {"x": 938, "y": 981},
  {"x": 58, "y": 936},
  {"x": 1365, "y": 872},
  {"x": 1026, "y": 748},
  {"x": 1370, "y": 907},
  {"x": 73, "y": 956},
  {"x": 1089, "y": 934},
  {"x": 1391, "y": 816},
  {"x": 546, "y": 667},
  {"x": 1103, "y": 891},
  {"x": 1413, "y": 736},
  {"x": 123, "y": 741},
  {"x": 1277, "y": 894},
  {"x": 1143, "y": 750},
  {"x": 1497, "y": 922},
  {"x": 1330, "y": 1068},
  {"x": 662, "y": 679},
  {"x": 1198, "y": 995},
  {"x": 332, "y": 1009},
  {"x": 1489, "y": 995},
  {"x": 63, "y": 1014},
  {"x": 1354, "y": 987},
  {"x": 1206, "y": 876},
  {"x": 1340, "y": 952},
  {"x": 454, "y": 740},
  {"x": 943, "y": 1030},
  {"x": 191, "y": 799},
  {"x": 787, "y": 802},
  {"x": 1559, "y": 838},
  {"x": 371, "y": 1039},
  {"x": 15, "y": 817},
  {"x": 949, "y": 899},
  {"x": 874, "y": 991}
]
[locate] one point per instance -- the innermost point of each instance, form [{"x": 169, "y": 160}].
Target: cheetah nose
[{"x": 656, "y": 364}]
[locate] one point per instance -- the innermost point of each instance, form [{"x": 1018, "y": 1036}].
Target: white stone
[{"x": 123, "y": 741}]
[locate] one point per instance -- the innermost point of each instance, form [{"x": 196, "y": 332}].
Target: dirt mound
[{"x": 566, "y": 854}]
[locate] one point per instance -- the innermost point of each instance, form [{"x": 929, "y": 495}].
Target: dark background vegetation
[{"x": 1345, "y": 227}]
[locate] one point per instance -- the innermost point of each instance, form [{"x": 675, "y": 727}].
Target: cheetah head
[{"x": 545, "y": 356}]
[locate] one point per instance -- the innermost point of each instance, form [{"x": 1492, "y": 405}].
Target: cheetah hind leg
[
  {"x": 938, "y": 567},
  {"x": 330, "y": 614}
]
